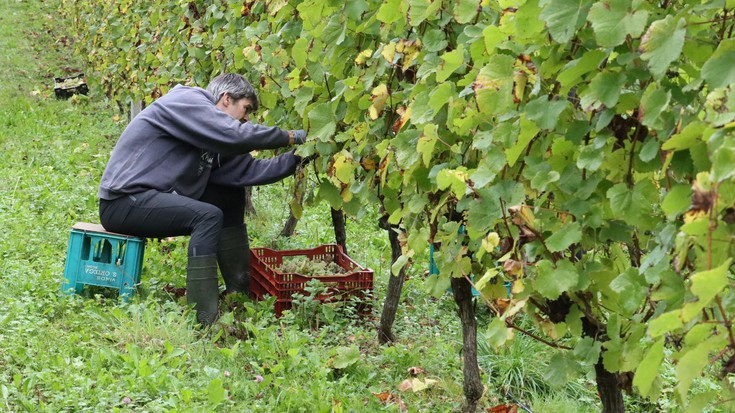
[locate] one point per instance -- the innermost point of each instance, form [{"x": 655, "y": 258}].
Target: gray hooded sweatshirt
[{"x": 182, "y": 142}]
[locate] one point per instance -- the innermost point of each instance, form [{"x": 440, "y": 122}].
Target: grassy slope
[{"x": 91, "y": 354}]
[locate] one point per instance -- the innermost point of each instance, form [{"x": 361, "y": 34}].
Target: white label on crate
[{"x": 101, "y": 275}]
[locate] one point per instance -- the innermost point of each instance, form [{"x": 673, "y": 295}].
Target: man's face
[{"x": 238, "y": 109}]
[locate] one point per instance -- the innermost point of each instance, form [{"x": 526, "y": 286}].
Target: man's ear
[{"x": 224, "y": 101}]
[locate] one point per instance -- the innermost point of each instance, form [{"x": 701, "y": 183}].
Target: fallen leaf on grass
[
  {"x": 415, "y": 370},
  {"x": 504, "y": 408},
  {"x": 405, "y": 385},
  {"x": 415, "y": 384},
  {"x": 388, "y": 397}
]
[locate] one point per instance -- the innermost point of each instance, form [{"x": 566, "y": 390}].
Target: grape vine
[{"x": 586, "y": 146}]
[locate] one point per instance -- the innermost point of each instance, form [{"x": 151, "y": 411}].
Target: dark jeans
[{"x": 153, "y": 214}]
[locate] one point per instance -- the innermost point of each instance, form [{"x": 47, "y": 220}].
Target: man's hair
[{"x": 235, "y": 85}]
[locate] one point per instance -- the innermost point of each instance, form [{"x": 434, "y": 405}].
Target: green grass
[{"x": 90, "y": 353}]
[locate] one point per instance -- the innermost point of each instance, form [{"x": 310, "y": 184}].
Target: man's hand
[
  {"x": 303, "y": 161},
  {"x": 296, "y": 137}
]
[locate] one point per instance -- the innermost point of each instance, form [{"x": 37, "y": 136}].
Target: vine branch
[{"x": 509, "y": 324}]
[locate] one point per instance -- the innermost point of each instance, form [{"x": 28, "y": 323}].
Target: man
[{"x": 180, "y": 168}]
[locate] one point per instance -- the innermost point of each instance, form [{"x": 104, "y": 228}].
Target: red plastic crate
[{"x": 265, "y": 279}]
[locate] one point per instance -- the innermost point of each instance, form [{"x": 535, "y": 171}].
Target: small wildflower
[
  {"x": 127, "y": 400},
  {"x": 258, "y": 378},
  {"x": 227, "y": 373}
]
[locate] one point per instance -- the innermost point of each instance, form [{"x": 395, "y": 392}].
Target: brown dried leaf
[
  {"x": 415, "y": 370},
  {"x": 388, "y": 397},
  {"x": 502, "y": 304},
  {"x": 701, "y": 198},
  {"x": 513, "y": 267},
  {"x": 405, "y": 385},
  {"x": 504, "y": 408}
]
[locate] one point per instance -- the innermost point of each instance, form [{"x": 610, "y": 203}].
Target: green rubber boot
[
  {"x": 233, "y": 257},
  {"x": 202, "y": 288}
]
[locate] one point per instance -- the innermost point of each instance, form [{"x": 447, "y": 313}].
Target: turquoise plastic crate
[{"x": 106, "y": 259}]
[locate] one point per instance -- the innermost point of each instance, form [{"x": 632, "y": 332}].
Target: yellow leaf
[
  {"x": 363, "y": 56},
  {"x": 344, "y": 167},
  {"x": 491, "y": 241},
  {"x": 417, "y": 385},
  {"x": 522, "y": 215},
  {"x": 389, "y": 52},
  {"x": 517, "y": 287},
  {"x": 379, "y": 97}
]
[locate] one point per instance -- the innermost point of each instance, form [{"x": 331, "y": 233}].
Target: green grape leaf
[
  {"x": 488, "y": 169},
  {"x": 406, "y": 143},
  {"x": 705, "y": 285},
  {"x": 565, "y": 236},
  {"x": 421, "y": 111},
  {"x": 694, "y": 361},
  {"x": 451, "y": 62},
  {"x": 418, "y": 11},
  {"x": 587, "y": 350},
  {"x": 723, "y": 164},
  {"x": 631, "y": 289},
  {"x": 649, "y": 150},
  {"x": 492, "y": 37},
  {"x": 551, "y": 282},
  {"x": 330, "y": 193},
  {"x": 654, "y": 102},
  {"x": 426, "y": 143},
  {"x": 603, "y": 89},
  {"x": 544, "y": 112},
  {"x": 528, "y": 132},
  {"x": 612, "y": 21},
  {"x": 299, "y": 52},
  {"x": 574, "y": 70},
  {"x": 498, "y": 333},
  {"x": 564, "y": 17},
  {"x": 560, "y": 370},
  {"x": 662, "y": 43},
  {"x": 322, "y": 122},
  {"x": 632, "y": 206},
  {"x": 434, "y": 40},
  {"x": 494, "y": 85},
  {"x": 483, "y": 213},
  {"x": 647, "y": 370},
  {"x": 591, "y": 156},
  {"x": 465, "y": 10},
  {"x": 665, "y": 323},
  {"x": 390, "y": 11},
  {"x": 676, "y": 201},
  {"x": 310, "y": 13},
  {"x": 689, "y": 137},
  {"x": 542, "y": 179},
  {"x": 528, "y": 24},
  {"x": 440, "y": 96},
  {"x": 719, "y": 70}
]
